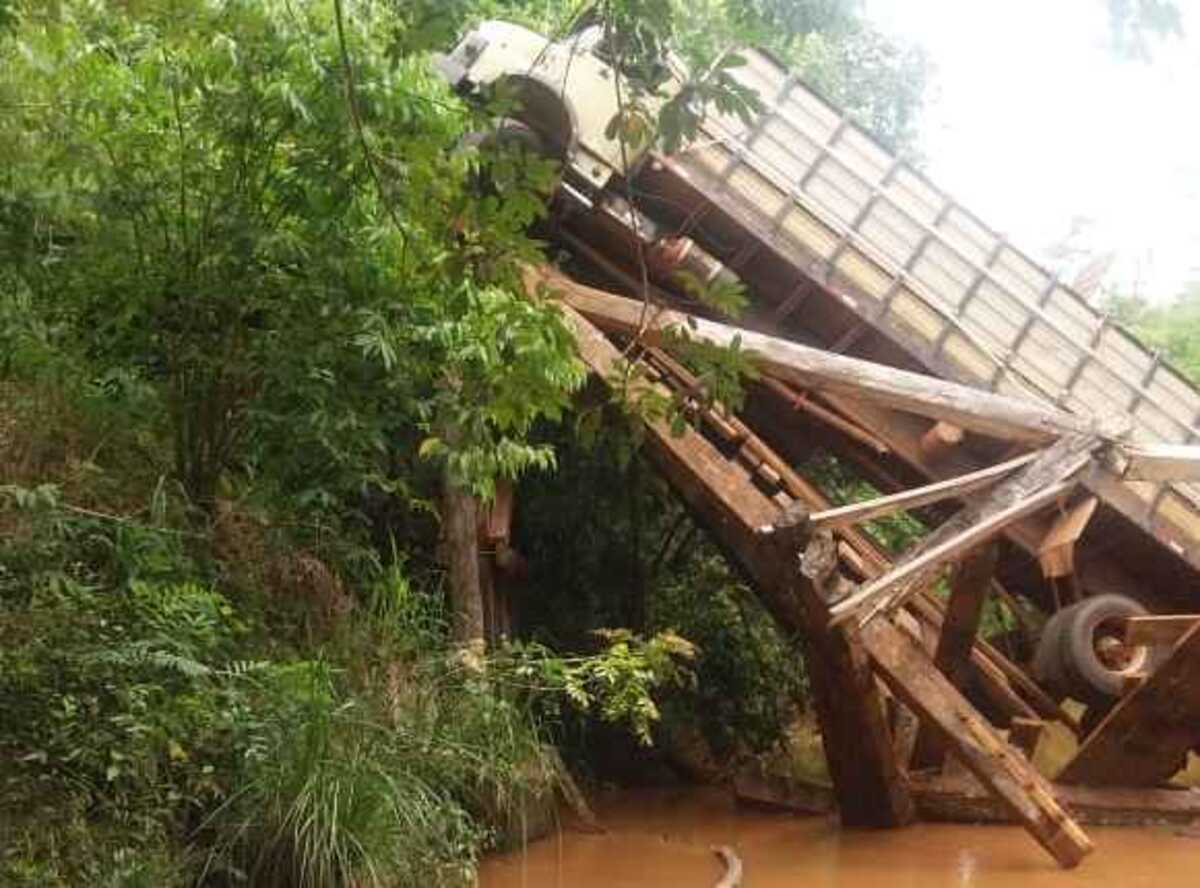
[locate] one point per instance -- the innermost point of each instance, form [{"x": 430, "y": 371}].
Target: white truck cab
[{"x": 565, "y": 92}]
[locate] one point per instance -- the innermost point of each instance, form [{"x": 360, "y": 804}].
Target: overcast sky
[{"x": 1032, "y": 122}]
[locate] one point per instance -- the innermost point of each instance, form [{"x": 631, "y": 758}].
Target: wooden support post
[
  {"x": 953, "y": 656},
  {"x": 1146, "y": 736},
  {"x": 1025, "y": 793},
  {"x": 856, "y": 741}
]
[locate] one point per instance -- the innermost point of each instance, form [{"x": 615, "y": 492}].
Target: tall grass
[{"x": 400, "y": 771}]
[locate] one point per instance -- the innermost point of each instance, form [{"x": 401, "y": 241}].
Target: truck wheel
[
  {"x": 1096, "y": 659},
  {"x": 1047, "y": 665}
]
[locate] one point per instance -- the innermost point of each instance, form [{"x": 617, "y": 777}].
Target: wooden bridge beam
[{"x": 968, "y": 593}]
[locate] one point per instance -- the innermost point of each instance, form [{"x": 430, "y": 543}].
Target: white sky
[{"x": 1032, "y": 122}]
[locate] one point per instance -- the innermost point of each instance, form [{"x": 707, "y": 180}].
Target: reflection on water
[{"x": 663, "y": 838}]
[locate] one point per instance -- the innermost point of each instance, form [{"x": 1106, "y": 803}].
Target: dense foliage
[{"x": 259, "y": 300}]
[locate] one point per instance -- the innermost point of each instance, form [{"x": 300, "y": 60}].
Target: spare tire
[{"x": 1095, "y": 659}]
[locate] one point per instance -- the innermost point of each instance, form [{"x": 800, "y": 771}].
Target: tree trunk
[{"x": 461, "y": 539}]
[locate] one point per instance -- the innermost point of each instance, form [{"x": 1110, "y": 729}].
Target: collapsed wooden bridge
[
  {"x": 1052, "y": 453},
  {"x": 875, "y": 639}
]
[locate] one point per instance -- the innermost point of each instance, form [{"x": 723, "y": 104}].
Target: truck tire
[
  {"x": 1047, "y": 665},
  {"x": 1095, "y": 660}
]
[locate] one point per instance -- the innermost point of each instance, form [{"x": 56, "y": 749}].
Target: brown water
[{"x": 664, "y": 838}]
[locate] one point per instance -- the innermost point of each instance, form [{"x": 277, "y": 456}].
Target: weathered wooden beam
[
  {"x": 968, "y": 594},
  {"x": 1164, "y": 630},
  {"x": 1041, "y": 482},
  {"x": 961, "y": 800},
  {"x": 1161, "y": 462},
  {"x": 855, "y": 513},
  {"x": 975, "y": 409},
  {"x": 903, "y": 666},
  {"x": 947, "y": 550},
  {"x": 856, "y": 740},
  {"x": 1057, "y": 552},
  {"x": 1146, "y": 736}
]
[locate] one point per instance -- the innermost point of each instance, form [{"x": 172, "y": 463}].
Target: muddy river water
[{"x": 664, "y": 838}]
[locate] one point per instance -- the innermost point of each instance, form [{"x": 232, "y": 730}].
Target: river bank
[{"x": 664, "y": 837}]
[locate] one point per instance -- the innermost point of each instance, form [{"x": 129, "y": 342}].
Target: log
[
  {"x": 957, "y": 640},
  {"x": 754, "y": 786},
  {"x": 1146, "y": 736},
  {"x": 733, "y": 867},
  {"x": 855, "y": 513},
  {"x": 999, "y": 416}
]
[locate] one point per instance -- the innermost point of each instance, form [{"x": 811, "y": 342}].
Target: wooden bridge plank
[
  {"x": 1144, "y": 739},
  {"x": 1011, "y": 779}
]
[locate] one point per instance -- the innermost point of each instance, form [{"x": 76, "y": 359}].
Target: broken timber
[
  {"x": 1167, "y": 629},
  {"x": 854, "y": 513},
  {"x": 857, "y": 741},
  {"x": 1145, "y": 739},
  {"x": 1048, "y": 477}
]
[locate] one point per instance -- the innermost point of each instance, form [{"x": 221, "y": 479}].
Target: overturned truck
[{"x": 1048, "y": 447}]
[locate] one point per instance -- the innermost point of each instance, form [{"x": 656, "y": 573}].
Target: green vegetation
[
  {"x": 1172, "y": 328},
  {"x": 260, "y": 322}
]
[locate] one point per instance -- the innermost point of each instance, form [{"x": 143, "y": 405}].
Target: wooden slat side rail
[
  {"x": 1167, "y": 629},
  {"x": 968, "y": 594},
  {"x": 855, "y": 513},
  {"x": 905, "y": 668},
  {"x": 981, "y": 411},
  {"x": 1144, "y": 740},
  {"x": 857, "y": 744}
]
